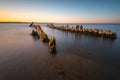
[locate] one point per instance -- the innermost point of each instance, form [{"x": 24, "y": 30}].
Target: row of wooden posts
[
  {"x": 40, "y": 33},
  {"x": 89, "y": 31}
]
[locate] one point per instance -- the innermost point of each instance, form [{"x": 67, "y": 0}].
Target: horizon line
[{"x": 66, "y": 23}]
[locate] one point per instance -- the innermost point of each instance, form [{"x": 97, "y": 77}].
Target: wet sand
[{"x": 24, "y": 58}]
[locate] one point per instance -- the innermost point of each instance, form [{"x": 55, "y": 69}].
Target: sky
[{"x": 60, "y": 11}]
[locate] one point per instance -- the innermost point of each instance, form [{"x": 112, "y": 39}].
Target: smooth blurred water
[
  {"x": 15, "y": 34},
  {"x": 19, "y": 51},
  {"x": 99, "y": 49}
]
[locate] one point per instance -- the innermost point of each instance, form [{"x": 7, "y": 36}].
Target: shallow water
[{"x": 78, "y": 56}]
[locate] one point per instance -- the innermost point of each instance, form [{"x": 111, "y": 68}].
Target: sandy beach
[{"x": 24, "y": 58}]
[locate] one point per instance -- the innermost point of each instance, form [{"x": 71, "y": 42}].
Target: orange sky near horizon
[{"x": 19, "y": 16}]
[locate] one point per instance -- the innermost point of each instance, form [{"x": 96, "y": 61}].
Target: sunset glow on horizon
[{"x": 64, "y": 11}]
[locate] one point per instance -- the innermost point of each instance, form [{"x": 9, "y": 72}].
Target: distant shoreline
[{"x": 59, "y": 23}]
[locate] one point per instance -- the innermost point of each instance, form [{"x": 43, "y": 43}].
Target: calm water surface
[
  {"x": 103, "y": 50},
  {"x": 18, "y": 48}
]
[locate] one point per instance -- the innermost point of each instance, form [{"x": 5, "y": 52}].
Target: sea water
[
  {"x": 97, "y": 48},
  {"x": 20, "y": 53}
]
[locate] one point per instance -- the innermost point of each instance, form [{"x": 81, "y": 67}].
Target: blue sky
[{"x": 66, "y": 10}]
